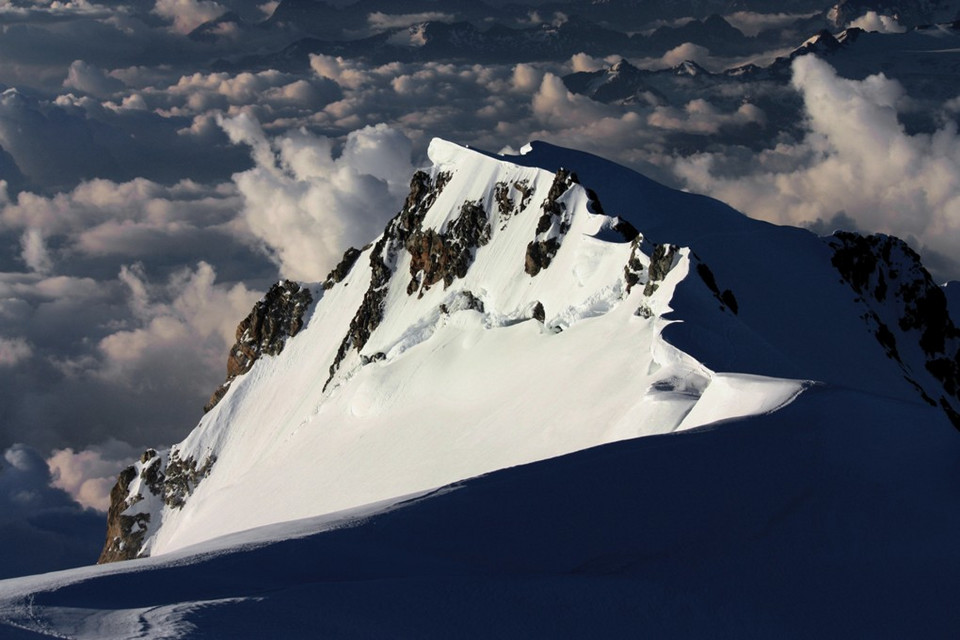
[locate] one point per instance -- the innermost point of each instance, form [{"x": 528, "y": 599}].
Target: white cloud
[
  {"x": 872, "y": 21},
  {"x": 135, "y": 218},
  {"x": 198, "y": 325},
  {"x": 187, "y": 15},
  {"x": 34, "y": 251},
  {"x": 308, "y": 205},
  {"x": 89, "y": 475},
  {"x": 686, "y": 51},
  {"x": 856, "y": 158},
  {"x": 700, "y": 117},
  {"x": 13, "y": 351},
  {"x": 91, "y": 80}
]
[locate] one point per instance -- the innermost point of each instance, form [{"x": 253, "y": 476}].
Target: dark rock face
[
  {"x": 726, "y": 298},
  {"x": 538, "y": 313},
  {"x": 552, "y": 226},
  {"x": 633, "y": 270},
  {"x": 447, "y": 255},
  {"x": 342, "y": 269},
  {"x": 897, "y": 290},
  {"x": 273, "y": 319},
  {"x": 172, "y": 484},
  {"x": 435, "y": 256},
  {"x": 370, "y": 313},
  {"x": 661, "y": 262},
  {"x": 182, "y": 477},
  {"x": 124, "y": 533},
  {"x": 507, "y": 207}
]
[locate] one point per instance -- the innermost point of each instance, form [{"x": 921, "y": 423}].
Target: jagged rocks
[
  {"x": 342, "y": 269},
  {"x": 898, "y": 291},
  {"x": 370, "y": 313},
  {"x": 153, "y": 485},
  {"x": 726, "y": 298},
  {"x": 661, "y": 262},
  {"x": 447, "y": 256},
  {"x": 274, "y": 318},
  {"x": 538, "y": 313},
  {"x": 633, "y": 270},
  {"x": 552, "y": 226},
  {"x": 436, "y": 254},
  {"x": 182, "y": 477},
  {"x": 125, "y": 533},
  {"x": 506, "y": 206}
]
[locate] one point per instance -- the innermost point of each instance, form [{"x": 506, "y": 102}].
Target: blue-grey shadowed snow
[
  {"x": 41, "y": 527},
  {"x": 835, "y": 513}
]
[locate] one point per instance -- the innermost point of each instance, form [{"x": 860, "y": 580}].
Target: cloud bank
[
  {"x": 41, "y": 527},
  {"x": 856, "y": 159}
]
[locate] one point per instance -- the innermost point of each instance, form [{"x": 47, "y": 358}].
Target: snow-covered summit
[{"x": 518, "y": 308}]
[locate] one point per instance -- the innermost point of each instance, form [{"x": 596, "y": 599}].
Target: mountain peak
[{"x": 495, "y": 321}]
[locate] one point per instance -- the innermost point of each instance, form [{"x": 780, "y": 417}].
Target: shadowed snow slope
[{"x": 834, "y": 515}]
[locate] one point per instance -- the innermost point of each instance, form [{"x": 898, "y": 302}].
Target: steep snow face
[{"x": 516, "y": 309}]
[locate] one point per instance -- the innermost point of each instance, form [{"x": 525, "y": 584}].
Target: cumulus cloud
[
  {"x": 307, "y": 204},
  {"x": 13, "y": 351},
  {"x": 35, "y": 254},
  {"x": 89, "y": 475},
  {"x": 91, "y": 80},
  {"x": 196, "y": 326},
  {"x": 684, "y": 52},
  {"x": 855, "y": 158},
  {"x": 187, "y": 15},
  {"x": 136, "y": 218},
  {"x": 873, "y": 21},
  {"x": 41, "y": 527},
  {"x": 702, "y": 118}
]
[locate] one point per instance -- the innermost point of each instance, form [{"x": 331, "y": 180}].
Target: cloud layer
[
  {"x": 41, "y": 527},
  {"x": 856, "y": 161}
]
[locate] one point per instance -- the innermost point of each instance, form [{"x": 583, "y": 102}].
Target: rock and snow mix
[{"x": 519, "y": 308}]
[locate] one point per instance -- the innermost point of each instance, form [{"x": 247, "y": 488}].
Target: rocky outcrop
[
  {"x": 274, "y": 318},
  {"x": 464, "y": 300},
  {"x": 141, "y": 492},
  {"x": 661, "y": 262},
  {"x": 446, "y": 256},
  {"x": 507, "y": 207},
  {"x": 342, "y": 269},
  {"x": 897, "y": 291},
  {"x": 633, "y": 272},
  {"x": 125, "y": 533},
  {"x": 552, "y": 226},
  {"x": 726, "y": 298},
  {"x": 436, "y": 254}
]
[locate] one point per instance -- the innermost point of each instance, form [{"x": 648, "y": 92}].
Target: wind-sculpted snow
[
  {"x": 833, "y": 513},
  {"x": 434, "y": 355}
]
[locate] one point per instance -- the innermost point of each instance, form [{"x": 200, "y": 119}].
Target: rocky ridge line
[{"x": 896, "y": 290}]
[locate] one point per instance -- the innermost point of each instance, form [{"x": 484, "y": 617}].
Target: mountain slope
[
  {"x": 836, "y": 512},
  {"x": 504, "y": 318}
]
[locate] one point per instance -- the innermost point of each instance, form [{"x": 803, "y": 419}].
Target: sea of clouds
[{"x": 148, "y": 200}]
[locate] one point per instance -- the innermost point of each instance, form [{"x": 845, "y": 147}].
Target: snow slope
[
  {"x": 454, "y": 348},
  {"x": 833, "y": 516}
]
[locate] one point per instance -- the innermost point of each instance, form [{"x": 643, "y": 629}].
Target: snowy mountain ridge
[{"x": 519, "y": 308}]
